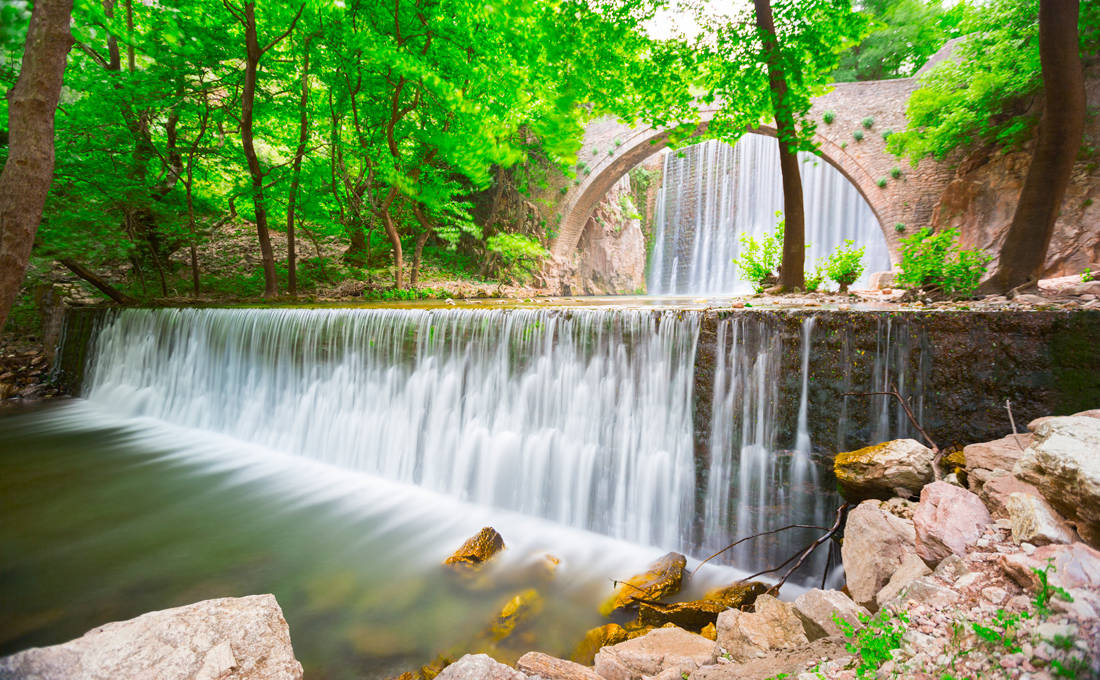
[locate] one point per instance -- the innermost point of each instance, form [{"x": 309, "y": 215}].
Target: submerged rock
[
  {"x": 1063, "y": 462},
  {"x": 661, "y": 579},
  {"x": 894, "y": 468},
  {"x": 773, "y": 625},
  {"x": 948, "y": 519},
  {"x": 691, "y": 616},
  {"x": 516, "y": 612},
  {"x": 737, "y": 595},
  {"x": 875, "y": 544},
  {"x": 660, "y": 650},
  {"x": 477, "y": 549},
  {"x": 594, "y": 639},
  {"x": 232, "y": 638}
]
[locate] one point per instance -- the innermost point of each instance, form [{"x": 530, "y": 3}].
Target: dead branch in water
[
  {"x": 747, "y": 538},
  {"x": 893, "y": 392}
]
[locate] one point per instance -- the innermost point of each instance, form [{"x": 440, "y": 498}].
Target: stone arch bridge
[{"x": 909, "y": 199}]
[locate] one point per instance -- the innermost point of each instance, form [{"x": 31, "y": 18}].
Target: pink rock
[
  {"x": 999, "y": 454},
  {"x": 1074, "y": 566},
  {"x": 997, "y": 490},
  {"x": 947, "y": 520}
]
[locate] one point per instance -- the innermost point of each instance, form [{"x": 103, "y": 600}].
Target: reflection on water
[{"x": 104, "y": 519}]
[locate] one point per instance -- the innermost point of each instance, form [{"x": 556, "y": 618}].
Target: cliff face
[{"x": 981, "y": 199}]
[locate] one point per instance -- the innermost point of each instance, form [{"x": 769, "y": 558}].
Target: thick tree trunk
[
  {"x": 792, "y": 274},
  {"x": 248, "y": 100},
  {"x": 28, "y": 172},
  {"x": 1058, "y": 140},
  {"x": 296, "y": 173}
]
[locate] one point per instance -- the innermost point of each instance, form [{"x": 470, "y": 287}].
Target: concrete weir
[{"x": 657, "y": 422}]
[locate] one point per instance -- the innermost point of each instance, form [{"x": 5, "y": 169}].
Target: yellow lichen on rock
[
  {"x": 737, "y": 595},
  {"x": 477, "y": 549},
  {"x": 709, "y": 631},
  {"x": 661, "y": 579},
  {"x": 515, "y": 612},
  {"x": 596, "y": 638}
]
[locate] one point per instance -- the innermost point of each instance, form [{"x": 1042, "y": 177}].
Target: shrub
[
  {"x": 845, "y": 265},
  {"x": 874, "y": 643},
  {"x": 760, "y": 260},
  {"x": 1087, "y": 275},
  {"x": 844, "y": 145},
  {"x": 933, "y": 262},
  {"x": 858, "y": 135},
  {"x": 815, "y": 278},
  {"x": 881, "y": 182},
  {"x": 899, "y": 227},
  {"x": 828, "y": 117},
  {"x": 886, "y": 134},
  {"x": 867, "y": 122},
  {"x": 895, "y": 172}
]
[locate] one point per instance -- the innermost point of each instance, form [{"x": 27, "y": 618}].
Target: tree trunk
[
  {"x": 792, "y": 275},
  {"x": 28, "y": 172},
  {"x": 90, "y": 276},
  {"x": 296, "y": 173},
  {"x": 1058, "y": 140},
  {"x": 395, "y": 240},
  {"x": 248, "y": 100}
]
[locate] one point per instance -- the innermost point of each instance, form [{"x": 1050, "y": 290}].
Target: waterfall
[
  {"x": 712, "y": 193},
  {"x": 583, "y": 417}
]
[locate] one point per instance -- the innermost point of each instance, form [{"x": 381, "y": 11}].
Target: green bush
[
  {"x": 867, "y": 122},
  {"x": 828, "y": 117},
  {"x": 760, "y": 260},
  {"x": 1087, "y": 275},
  {"x": 881, "y": 182},
  {"x": 845, "y": 265},
  {"x": 933, "y": 262},
  {"x": 858, "y": 135},
  {"x": 899, "y": 227},
  {"x": 874, "y": 643},
  {"x": 815, "y": 278},
  {"x": 895, "y": 172},
  {"x": 886, "y": 134}
]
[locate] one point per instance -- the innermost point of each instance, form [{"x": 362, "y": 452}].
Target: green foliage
[
  {"x": 873, "y": 644},
  {"x": 1001, "y": 632},
  {"x": 519, "y": 255},
  {"x": 881, "y": 182},
  {"x": 902, "y": 35},
  {"x": 1046, "y": 592},
  {"x": 1087, "y": 275},
  {"x": 815, "y": 278},
  {"x": 899, "y": 226},
  {"x": 965, "y": 102},
  {"x": 895, "y": 172},
  {"x": 828, "y": 117},
  {"x": 934, "y": 262},
  {"x": 845, "y": 265},
  {"x": 759, "y": 260},
  {"x": 886, "y": 134},
  {"x": 858, "y": 135},
  {"x": 867, "y": 122}
]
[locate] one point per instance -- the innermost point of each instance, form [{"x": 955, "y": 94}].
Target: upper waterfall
[{"x": 713, "y": 192}]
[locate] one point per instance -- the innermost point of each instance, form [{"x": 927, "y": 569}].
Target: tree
[
  {"x": 767, "y": 68},
  {"x": 1056, "y": 146},
  {"x": 28, "y": 170}
]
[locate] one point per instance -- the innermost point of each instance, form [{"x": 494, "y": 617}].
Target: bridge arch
[{"x": 611, "y": 149}]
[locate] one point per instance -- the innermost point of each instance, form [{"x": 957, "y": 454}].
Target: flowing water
[
  {"x": 713, "y": 193},
  {"x": 336, "y": 456}
]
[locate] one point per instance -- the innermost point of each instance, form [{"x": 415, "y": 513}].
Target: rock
[
  {"x": 773, "y": 625},
  {"x": 881, "y": 280},
  {"x": 1074, "y": 566},
  {"x": 997, "y": 490},
  {"x": 816, "y": 608},
  {"x": 553, "y": 668},
  {"x": 947, "y": 520},
  {"x": 875, "y": 544},
  {"x": 518, "y": 610},
  {"x": 1063, "y": 462},
  {"x": 233, "y": 638},
  {"x": 594, "y": 639},
  {"x": 691, "y": 616},
  {"x": 710, "y": 631},
  {"x": 657, "y": 651},
  {"x": 912, "y": 567},
  {"x": 894, "y": 468},
  {"x": 477, "y": 549},
  {"x": 951, "y": 568},
  {"x": 737, "y": 595},
  {"x": 925, "y": 591},
  {"x": 994, "y": 594},
  {"x": 999, "y": 454},
  {"x": 1035, "y": 522},
  {"x": 479, "y": 667},
  {"x": 1091, "y": 413},
  {"x": 661, "y": 579}
]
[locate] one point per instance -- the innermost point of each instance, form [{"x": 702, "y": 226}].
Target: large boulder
[
  {"x": 875, "y": 544},
  {"x": 948, "y": 519},
  {"x": 998, "y": 488},
  {"x": 661, "y": 579},
  {"x": 233, "y": 638},
  {"x": 553, "y": 668},
  {"x": 477, "y": 549},
  {"x": 1072, "y": 566},
  {"x": 693, "y": 616},
  {"x": 659, "y": 650},
  {"x": 999, "y": 454},
  {"x": 479, "y": 667},
  {"x": 1064, "y": 463},
  {"x": 817, "y": 608},
  {"x": 737, "y": 595},
  {"x": 773, "y": 625},
  {"x": 1035, "y": 522},
  {"x": 894, "y": 468},
  {"x": 911, "y": 569}
]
